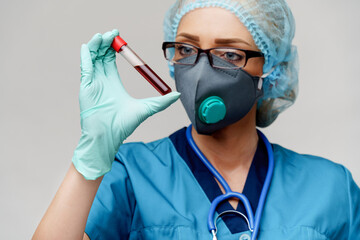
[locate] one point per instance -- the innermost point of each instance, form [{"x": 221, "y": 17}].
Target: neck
[{"x": 232, "y": 148}]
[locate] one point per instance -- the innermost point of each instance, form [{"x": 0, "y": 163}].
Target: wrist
[{"x": 93, "y": 157}]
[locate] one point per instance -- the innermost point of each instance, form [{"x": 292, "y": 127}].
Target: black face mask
[{"x": 215, "y": 98}]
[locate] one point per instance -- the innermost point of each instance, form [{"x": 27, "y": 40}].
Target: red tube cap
[{"x": 117, "y": 43}]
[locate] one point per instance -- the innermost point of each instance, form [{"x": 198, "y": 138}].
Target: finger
[
  {"x": 94, "y": 45},
  {"x": 111, "y": 71},
  {"x": 110, "y": 62},
  {"x": 109, "y": 59},
  {"x": 86, "y": 65},
  {"x": 107, "y": 40},
  {"x": 110, "y": 53},
  {"x": 157, "y": 104},
  {"x": 109, "y": 56}
]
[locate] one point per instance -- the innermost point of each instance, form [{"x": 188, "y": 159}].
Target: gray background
[{"x": 39, "y": 71}]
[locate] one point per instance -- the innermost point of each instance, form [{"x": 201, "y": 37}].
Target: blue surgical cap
[{"x": 272, "y": 26}]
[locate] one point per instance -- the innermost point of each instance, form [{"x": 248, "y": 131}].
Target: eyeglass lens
[{"x": 177, "y": 52}]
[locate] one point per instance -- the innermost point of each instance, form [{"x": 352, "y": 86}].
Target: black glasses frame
[{"x": 248, "y": 53}]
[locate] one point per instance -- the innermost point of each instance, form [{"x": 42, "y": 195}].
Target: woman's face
[{"x": 217, "y": 27}]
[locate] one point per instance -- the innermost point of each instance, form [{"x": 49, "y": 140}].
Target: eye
[
  {"x": 232, "y": 56},
  {"x": 185, "y": 51}
]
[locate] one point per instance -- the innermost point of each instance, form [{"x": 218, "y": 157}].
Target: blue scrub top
[
  {"x": 252, "y": 188},
  {"x": 160, "y": 190}
]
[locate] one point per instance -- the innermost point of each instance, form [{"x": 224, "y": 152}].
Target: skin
[
  {"x": 67, "y": 214},
  {"x": 231, "y": 149}
]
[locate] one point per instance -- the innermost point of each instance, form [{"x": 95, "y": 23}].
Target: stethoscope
[{"x": 252, "y": 221}]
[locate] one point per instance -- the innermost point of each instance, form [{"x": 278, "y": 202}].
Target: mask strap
[{"x": 260, "y": 83}]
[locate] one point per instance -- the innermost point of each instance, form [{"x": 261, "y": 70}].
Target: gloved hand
[{"x": 108, "y": 114}]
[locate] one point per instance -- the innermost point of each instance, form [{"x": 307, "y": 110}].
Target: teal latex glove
[{"x": 108, "y": 113}]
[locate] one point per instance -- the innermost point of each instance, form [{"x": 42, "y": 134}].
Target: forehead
[{"x": 213, "y": 22}]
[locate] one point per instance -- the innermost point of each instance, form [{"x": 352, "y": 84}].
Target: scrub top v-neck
[{"x": 252, "y": 188}]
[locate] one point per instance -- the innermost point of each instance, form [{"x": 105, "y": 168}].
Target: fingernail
[{"x": 115, "y": 32}]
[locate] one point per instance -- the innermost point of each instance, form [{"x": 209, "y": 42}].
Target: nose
[{"x": 204, "y": 58}]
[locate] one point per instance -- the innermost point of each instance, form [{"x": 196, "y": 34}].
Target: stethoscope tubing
[
  {"x": 266, "y": 186},
  {"x": 223, "y": 197},
  {"x": 254, "y": 222}
]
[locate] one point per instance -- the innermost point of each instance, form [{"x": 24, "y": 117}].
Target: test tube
[{"x": 121, "y": 47}]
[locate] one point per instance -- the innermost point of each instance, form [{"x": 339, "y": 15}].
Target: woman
[{"x": 235, "y": 67}]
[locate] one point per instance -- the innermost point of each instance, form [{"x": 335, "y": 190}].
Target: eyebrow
[
  {"x": 189, "y": 36},
  {"x": 230, "y": 40},
  {"x": 217, "y": 40}
]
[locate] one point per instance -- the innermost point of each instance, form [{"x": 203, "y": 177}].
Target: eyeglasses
[{"x": 187, "y": 54}]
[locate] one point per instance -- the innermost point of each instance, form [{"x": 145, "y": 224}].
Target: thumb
[{"x": 157, "y": 104}]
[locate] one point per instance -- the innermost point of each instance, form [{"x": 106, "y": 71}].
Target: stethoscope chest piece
[{"x": 244, "y": 236}]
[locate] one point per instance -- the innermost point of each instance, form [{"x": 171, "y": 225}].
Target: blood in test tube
[
  {"x": 121, "y": 47},
  {"x": 153, "y": 79}
]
